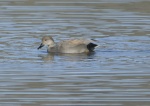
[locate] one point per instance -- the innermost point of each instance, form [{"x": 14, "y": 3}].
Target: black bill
[{"x": 41, "y": 45}]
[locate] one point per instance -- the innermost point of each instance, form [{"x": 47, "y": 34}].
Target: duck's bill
[{"x": 41, "y": 45}]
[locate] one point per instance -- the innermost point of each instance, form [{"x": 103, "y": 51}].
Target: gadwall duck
[{"x": 68, "y": 46}]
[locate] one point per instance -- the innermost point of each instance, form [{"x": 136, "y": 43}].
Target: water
[{"x": 117, "y": 74}]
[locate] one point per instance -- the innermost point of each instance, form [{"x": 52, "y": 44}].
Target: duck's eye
[{"x": 45, "y": 39}]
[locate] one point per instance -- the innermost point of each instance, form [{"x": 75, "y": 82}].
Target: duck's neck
[{"x": 52, "y": 48}]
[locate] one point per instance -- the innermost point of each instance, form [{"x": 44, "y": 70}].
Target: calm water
[{"x": 117, "y": 74}]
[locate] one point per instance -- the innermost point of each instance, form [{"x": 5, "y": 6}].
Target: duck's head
[{"x": 48, "y": 41}]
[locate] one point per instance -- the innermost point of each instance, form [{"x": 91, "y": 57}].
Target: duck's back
[{"x": 73, "y": 46}]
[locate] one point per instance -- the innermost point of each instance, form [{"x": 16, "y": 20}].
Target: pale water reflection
[{"x": 116, "y": 74}]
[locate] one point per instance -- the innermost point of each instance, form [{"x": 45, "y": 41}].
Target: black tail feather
[{"x": 91, "y": 46}]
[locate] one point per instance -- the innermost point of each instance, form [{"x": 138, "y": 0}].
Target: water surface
[{"x": 117, "y": 74}]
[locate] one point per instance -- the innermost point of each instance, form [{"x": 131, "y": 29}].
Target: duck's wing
[
  {"x": 73, "y": 43},
  {"x": 76, "y": 45}
]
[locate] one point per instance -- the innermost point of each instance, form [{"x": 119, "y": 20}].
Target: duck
[{"x": 75, "y": 45}]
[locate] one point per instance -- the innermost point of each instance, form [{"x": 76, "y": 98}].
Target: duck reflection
[{"x": 66, "y": 57}]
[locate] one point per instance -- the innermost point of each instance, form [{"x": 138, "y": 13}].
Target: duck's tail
[{"x": 91, "y": 46}]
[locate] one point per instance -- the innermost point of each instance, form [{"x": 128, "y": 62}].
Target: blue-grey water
[{"x": 117, "y": 74}]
